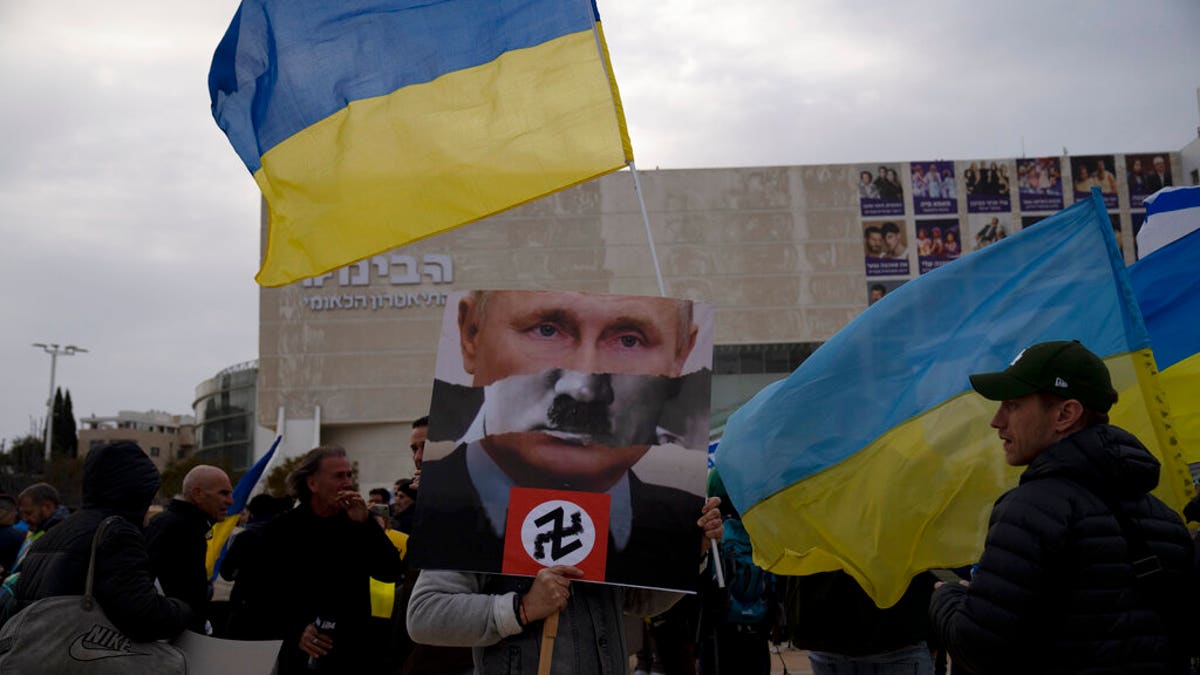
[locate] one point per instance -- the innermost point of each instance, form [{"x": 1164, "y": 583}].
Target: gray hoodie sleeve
[{"x": 448, "y": 608}]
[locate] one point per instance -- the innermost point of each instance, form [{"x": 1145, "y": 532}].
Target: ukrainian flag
[
  {"x": 876, "y": 457},
  {"x": 369, "y": 124},
  {"x": 1168, "y": 292},
  {"x": 222, "y": 531}
]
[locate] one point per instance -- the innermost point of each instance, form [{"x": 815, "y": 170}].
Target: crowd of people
[{"x": 1082, "y": 570}]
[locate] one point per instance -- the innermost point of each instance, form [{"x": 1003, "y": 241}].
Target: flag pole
[
  {"x": 549, "y": 632},
  {"x": 637, "y": 187}
]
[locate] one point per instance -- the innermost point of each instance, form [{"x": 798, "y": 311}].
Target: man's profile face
[
  {"x": 36, "y": 515},
  {"x": 575, "y": 383},
  {"x": 1026, "y": 426},
  {"x": 213, "y": 496},
  {"x": 416, "y": 443},
  {"x": 876, "y": 294}
]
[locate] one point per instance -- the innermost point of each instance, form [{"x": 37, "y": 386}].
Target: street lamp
[{"x": 53, "y": 350}]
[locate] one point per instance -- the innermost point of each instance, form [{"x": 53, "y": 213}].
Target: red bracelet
[{"x": 524, "y": 617}]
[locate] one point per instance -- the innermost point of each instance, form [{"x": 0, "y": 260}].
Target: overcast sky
[{"x": 131, "y": 229}]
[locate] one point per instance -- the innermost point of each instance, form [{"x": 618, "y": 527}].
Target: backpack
[{"x": 749, "y": 588}]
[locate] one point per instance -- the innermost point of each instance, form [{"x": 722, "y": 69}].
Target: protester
[
  {"x": 379, "y": 496},
  {"x": 177, "y": 539},
  {"x": 10, "y": 537},
  {"x": 1083, "y": 570},
  {"x": 245, "y": 546},
  {"x": 416, "y": 443},
  {"x": 500, "y": 617},
  {"x": 118, "y": 479},
  {"x": 315, "y": 565},
  {"x": 419, "y": 659},
  {"x": 41, "y": 509},
  {"x": 739, "y": 618},
  {"x": 403, "y": 506},
  {"x": 833, "y": 618}
]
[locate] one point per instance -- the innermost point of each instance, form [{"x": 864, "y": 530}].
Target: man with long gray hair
[{"x": 310, "y": 587}]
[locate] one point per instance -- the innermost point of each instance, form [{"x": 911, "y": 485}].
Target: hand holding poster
[{"x": 567, "y": 428}]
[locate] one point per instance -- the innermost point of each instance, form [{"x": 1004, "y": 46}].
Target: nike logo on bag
[{"x": 100, "y": 642}]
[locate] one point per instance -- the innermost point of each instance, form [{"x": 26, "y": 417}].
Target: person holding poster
[{"x": 575, "y": 391}]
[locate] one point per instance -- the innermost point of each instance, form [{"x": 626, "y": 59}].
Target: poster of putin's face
[{"x": 567, "y": 428}]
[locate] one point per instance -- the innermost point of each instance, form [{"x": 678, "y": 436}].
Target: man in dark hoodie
[
  {"x": 1083, "y": 571},
  {"x": 118, "y": 479}
]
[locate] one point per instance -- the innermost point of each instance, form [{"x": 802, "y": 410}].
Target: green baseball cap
[{"x": 1064, "y": 368}]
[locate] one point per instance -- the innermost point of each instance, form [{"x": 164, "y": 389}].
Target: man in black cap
[{"x": 1082, "y": 570}]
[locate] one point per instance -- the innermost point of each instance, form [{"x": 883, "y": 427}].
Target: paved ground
[{"x": 791, "y": 661}]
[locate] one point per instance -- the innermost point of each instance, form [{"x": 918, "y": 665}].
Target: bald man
[{"x": 177, "y": 539}]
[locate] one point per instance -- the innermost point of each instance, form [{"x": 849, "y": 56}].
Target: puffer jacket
[
  {"x": 1055, "y": 590},
  {"x": 118, "y": 479}
]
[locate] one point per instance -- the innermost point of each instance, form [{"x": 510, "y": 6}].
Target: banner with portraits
[
  {"x": 988, "y": 185},
  {"x": 567, "y": 429},
  {"x": 885, "y": 248},
  {"x": 938, "y": 242},
  {"x": 1091, "y": 171},
  {"x": 1039, "y": 184},
  {"x": 880, "y": 192},
  {"x": 1145, "y": 175},
  {"x": 934, "y": 189}
]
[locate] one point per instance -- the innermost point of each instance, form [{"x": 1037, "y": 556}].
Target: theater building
[{"x": 784, "y": 254}]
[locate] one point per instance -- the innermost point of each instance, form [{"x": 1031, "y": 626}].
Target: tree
[
  {"x": 27, "y": 454},
  {"x": 63, "y": 441}
]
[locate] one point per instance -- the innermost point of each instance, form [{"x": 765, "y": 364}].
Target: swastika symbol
[{"x": 558, "y": 532}]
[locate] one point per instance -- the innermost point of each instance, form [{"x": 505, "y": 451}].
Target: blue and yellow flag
[
  {"x": 369, "y": 124},
  {"x": 241, "y": 494},
  {"x": 876, "y": 457},
  {"x": 1167, "y": 287}
]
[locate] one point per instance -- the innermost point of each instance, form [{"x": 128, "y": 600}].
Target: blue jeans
[{"x": 911, "y": 660}]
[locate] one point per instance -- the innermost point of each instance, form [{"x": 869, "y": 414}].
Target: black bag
[{"x": 69, "y": 634}]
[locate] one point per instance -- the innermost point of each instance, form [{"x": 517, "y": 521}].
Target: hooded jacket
[
  {"x": 118, "y": 479},
  {"x": 1055, "y": 590}
]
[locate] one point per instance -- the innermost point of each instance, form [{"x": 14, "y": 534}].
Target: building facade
[
  {"x": 164, "y": 437},
  {"x": 225, "y": 416},
  {"x": 786, "y": 255}
]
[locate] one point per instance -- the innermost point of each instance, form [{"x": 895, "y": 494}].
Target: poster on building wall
[
  {"x": 880, "y": 192},
  {"x": 1115, "y": 218},
  {"x": 987, "y": 229},
  {"x": 878, "y": 288},
  {"x": 1092, "y": 171},
  {"x": 934, "y": 189},
  {"x": 938, "y": 242},
  {"x": 1145, "y": 175},
  {"x": 567, "y": 429},
  {"x": 1039, "y": 184},
  {"x": 885, "y": 247},
  {"x": 1138, "y": 219},
  {"x": 988, "y": 185}
]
